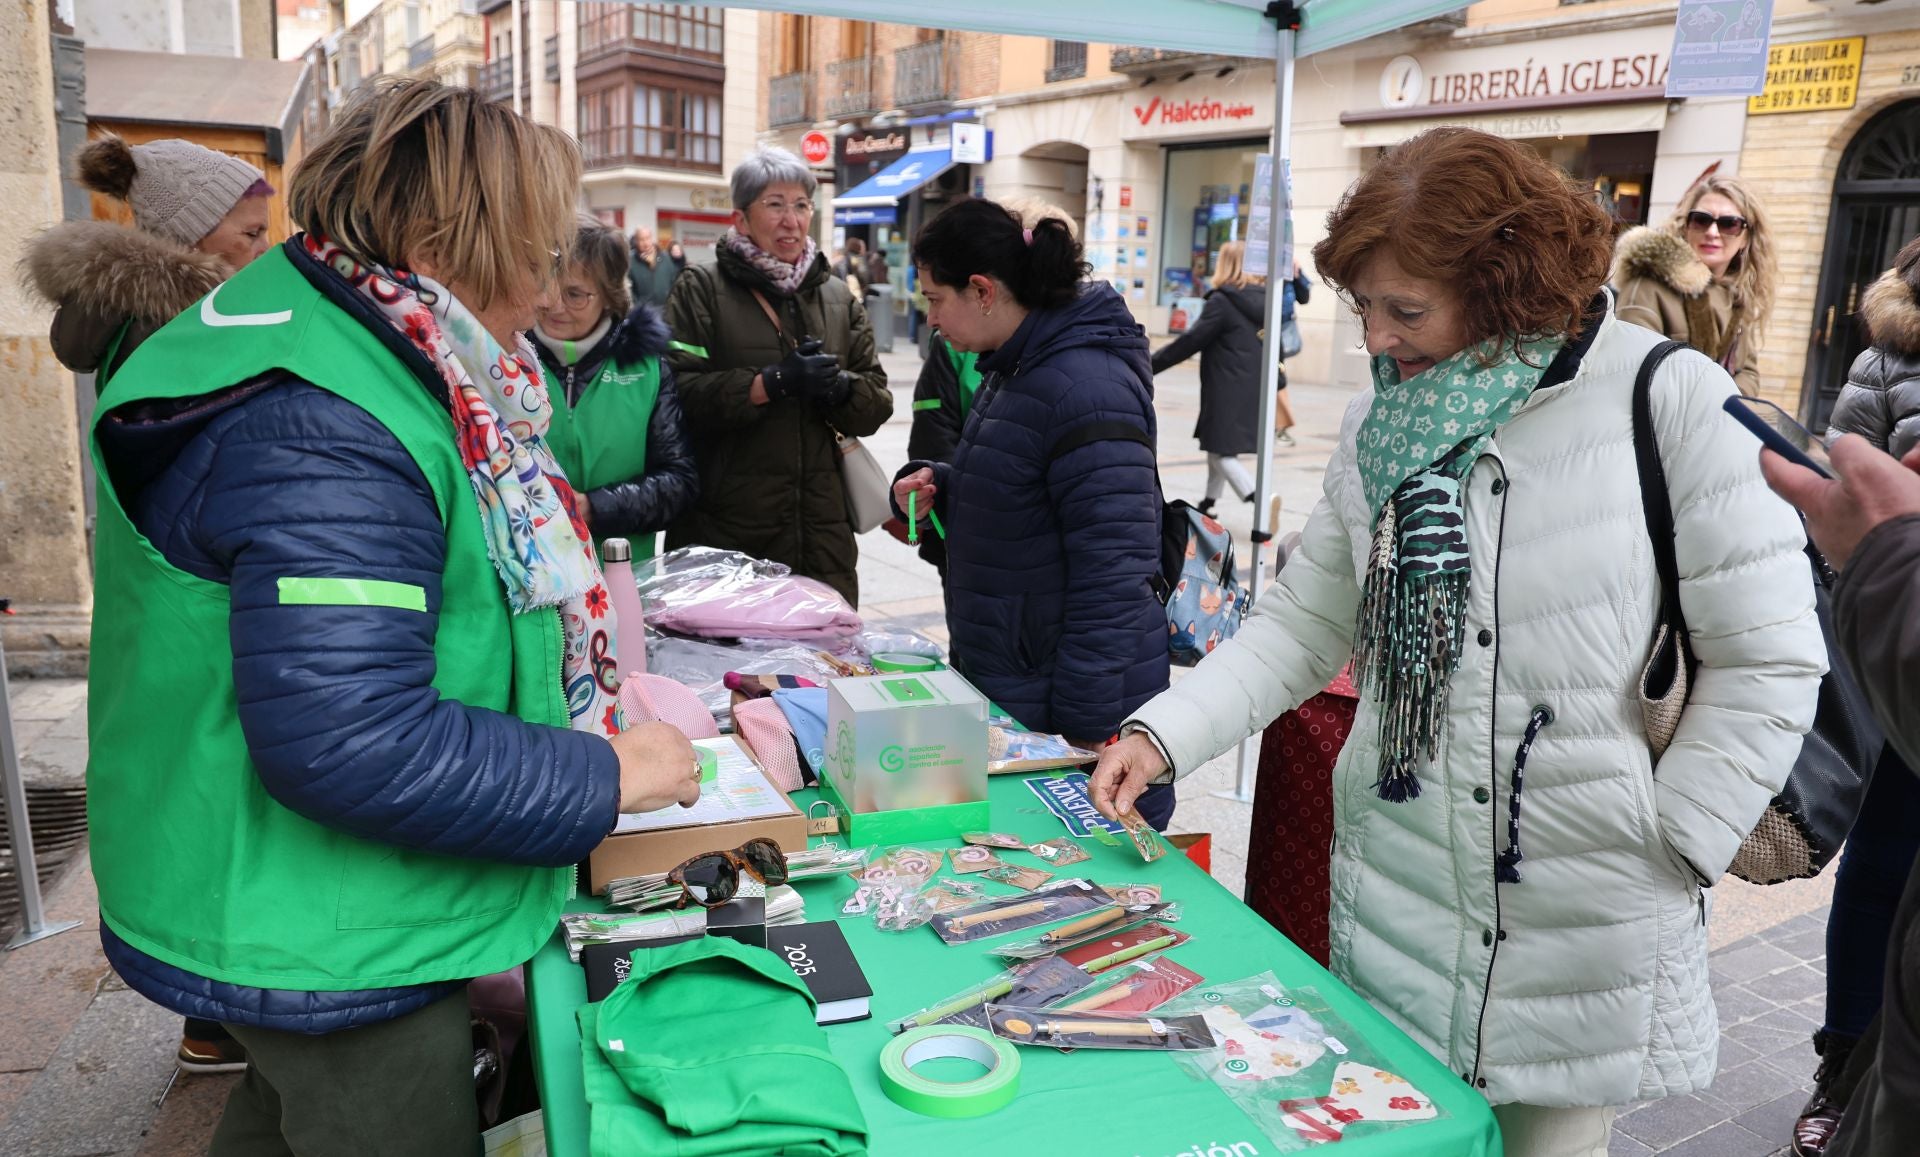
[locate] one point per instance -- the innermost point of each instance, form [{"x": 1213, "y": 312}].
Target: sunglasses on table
[
  {"x": 1729, "y": 226},
  {"x": 711, "y": 879}
]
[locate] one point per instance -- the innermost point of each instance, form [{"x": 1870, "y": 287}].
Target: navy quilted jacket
[
  {"x": 279, "y": 477},
  {"x": 1050, "y": 559}
]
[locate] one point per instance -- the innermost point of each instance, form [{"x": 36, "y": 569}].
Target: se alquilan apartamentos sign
[{"x": 1810, "y": 76}]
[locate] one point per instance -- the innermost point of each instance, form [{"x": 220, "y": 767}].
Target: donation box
[{"x": 906, "y": 755}]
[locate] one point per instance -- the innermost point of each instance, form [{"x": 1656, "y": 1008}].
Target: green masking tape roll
[
  {"x": 896, "y": 662},
  {"x": 931, "y": 1098}
]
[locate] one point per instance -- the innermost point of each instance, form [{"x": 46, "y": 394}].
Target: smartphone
[{"x": 1781, "y": 434}]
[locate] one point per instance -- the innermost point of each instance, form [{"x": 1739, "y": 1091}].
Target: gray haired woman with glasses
[{"x": 773, "y": 356}]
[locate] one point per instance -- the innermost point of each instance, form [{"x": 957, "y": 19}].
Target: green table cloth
[{"x": 1089, "y": 1103}]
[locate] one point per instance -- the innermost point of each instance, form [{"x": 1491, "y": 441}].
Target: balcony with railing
[
  {"x": 790, "y": 99},
  {"x": 680, "y": 30},
  {"x": 849, "y": 88},
  {"x": 1069, "y": 61},
  {"x": 420, "y": 52},
  {"x": 496, "y": 78},
  {"x": 921, "y": 74},
  {"x": 619, "y": 146}
]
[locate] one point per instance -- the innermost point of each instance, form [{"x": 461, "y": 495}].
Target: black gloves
[
  {"x": 835, "y": 392},
  {"x": 805, "y": 372}
]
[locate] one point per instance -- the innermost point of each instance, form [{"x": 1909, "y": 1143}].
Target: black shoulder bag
[{"x": 1802, "y": 829}]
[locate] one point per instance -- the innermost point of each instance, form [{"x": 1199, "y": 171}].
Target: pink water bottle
[{"x": 629, "y": 620}]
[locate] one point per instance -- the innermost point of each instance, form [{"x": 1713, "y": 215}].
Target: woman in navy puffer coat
[{"x": 1051, "y": 504}]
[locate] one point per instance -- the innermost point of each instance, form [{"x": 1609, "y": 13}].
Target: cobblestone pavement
[{"x": 84, "y": 1062}]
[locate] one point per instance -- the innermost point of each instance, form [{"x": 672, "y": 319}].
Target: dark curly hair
[{"x": 1525, "y": 247}]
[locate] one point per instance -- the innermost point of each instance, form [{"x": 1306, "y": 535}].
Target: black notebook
[
  {"x": 818, "y": 955},
  {"x": 609, "y": 964}
]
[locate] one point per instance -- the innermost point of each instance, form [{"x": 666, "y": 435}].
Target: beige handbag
[{"x": 869, "y": 497}]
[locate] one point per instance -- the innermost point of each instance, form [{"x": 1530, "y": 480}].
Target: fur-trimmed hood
[
  {"x": 1892, "y": 314},
  {"x": 1644, "y": 251},
  {"x": 641, "y": 334},
  {"x": 101, "y": 275}
]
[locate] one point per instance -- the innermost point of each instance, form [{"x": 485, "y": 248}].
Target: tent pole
[
  {"x": 1281, "y": 146},
  {"x": 13, "y": 792}
]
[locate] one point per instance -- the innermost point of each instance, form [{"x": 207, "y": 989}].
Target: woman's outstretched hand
[{"x": 1125, "y": 770}]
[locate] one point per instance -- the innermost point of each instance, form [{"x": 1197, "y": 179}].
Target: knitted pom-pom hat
[{"x": 178, "y": 190}]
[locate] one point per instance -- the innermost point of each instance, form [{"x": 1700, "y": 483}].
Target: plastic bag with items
[{"x": 724, "y": 594}]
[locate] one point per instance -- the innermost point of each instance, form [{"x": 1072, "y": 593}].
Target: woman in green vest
[
  {"x": 352, "y": 716},
  {"x": 617, "y": 429}
]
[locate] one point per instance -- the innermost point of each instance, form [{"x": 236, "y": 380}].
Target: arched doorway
[
  {"x": 1056, "y": 172},
  {"x": 1876, "y": 210}
]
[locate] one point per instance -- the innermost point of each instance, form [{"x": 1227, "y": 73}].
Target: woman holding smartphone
[{"x": 1705, "y": 278}]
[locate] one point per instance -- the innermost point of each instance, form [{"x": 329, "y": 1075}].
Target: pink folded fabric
[
  {"x": 762, "y": 726},
  {"x": 647, "y": 698},
  {"x": 757, "y": 607}
]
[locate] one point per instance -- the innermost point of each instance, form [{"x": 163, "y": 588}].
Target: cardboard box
[
  {"x": 907, "y": 756},
  {"x": 668, "y": 845}
]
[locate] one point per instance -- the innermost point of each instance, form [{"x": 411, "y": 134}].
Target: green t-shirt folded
[{"x": 708, "y": 1049}]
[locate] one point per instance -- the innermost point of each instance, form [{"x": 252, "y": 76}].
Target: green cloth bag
[{"x": 710, "y": 1049}]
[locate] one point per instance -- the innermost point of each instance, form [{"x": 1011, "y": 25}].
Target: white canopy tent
[{"x": 1278, "y": 31}]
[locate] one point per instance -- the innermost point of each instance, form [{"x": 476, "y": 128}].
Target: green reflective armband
[
  {"x": 698, "y": 351},
  {"x": 346, "y": 592},
  {"x": 927, "y": 404}
]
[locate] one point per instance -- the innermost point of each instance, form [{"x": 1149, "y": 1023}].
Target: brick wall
[{"x": 1790, "y": 160}]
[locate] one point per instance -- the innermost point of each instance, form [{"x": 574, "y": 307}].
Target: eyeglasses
[
  {"x": 1729, "y": 226},
  {"x": 802, "y": 208},
  {"x": 713, "y": 878},
  {"x": 575, "y": 298}
]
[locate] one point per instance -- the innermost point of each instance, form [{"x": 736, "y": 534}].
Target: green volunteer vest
[
  {"x": 602, "y": 439},
  {"x": 197, "y": 865},
  {"x": 966, "y": 373}
]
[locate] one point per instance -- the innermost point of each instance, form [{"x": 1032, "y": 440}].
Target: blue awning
[{"x": 887, "y": 186}]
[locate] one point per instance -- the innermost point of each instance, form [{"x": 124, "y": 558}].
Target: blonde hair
[
  {"x": 1751, "y": 269},
  {"x": 417, "y": 167},
  {"x": 1230, "y": 267}
]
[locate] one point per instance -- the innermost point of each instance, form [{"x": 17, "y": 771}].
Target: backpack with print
[{"x": 1198, "y": 583}]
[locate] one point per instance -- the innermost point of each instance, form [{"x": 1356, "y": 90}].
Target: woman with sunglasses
[
  {"x": 1512, "y": 882},
  {"x": 1705, "y": 278},
  {"x": 616, "y": 429}
]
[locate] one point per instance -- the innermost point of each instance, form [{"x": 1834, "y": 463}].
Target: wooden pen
[
  {"x": 962, "y": 923},
  {"x": 1085, "y": 924},
  {"x": 1112, "y": 995}
]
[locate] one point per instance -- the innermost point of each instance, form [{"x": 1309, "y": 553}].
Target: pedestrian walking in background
[
  {"x": 198, "y": 215},
  {"x": 1296, "y": 290},
  {"x": 1880, "y": 402},
  {"x": 852, "y": 267},
  {"x": 1867, "y": 523},
  {"x": 331, "y": 775},
  {"x": 651, "y": 271},
  {"x": 1705, "y": 277},
  {"x": 773, "y": 356},
  {"x": 1051, "y": 502},
  {"x": 616, "y": 429},
  {"x": 1229, "y": 337},
  {"x": 1482, "y": 554}
]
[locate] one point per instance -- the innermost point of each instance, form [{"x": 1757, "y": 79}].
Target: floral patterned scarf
[
  {"x": 530, "y": 519},
  {"x": 786, "y": 278}
]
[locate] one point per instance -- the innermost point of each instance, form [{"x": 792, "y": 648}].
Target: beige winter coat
[
  {"x": 1663, "y": 286},
  {"x": 1586, "y": 982}
]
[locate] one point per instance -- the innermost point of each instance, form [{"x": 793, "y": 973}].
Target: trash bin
[{"x": 880, "y": 310}]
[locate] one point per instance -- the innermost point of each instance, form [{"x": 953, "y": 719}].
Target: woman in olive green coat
[{"x": 773, "y": 355}]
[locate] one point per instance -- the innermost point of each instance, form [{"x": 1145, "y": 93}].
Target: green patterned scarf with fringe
[{"x": 1415, "y": 448}]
